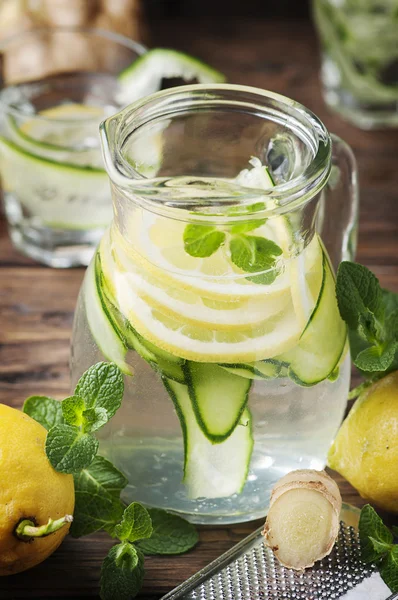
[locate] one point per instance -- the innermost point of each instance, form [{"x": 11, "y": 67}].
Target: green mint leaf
[
  {"x": 72, "y": 410},
  {"x": 389, "y": 569},
  {"x": 392, "y": 325},
  {"x": 380, "y": 547},
  {"x": 202, "y": 241},
  {"x": 46, "y": 411},
  {"x": 97, "y": 492},
  {"x": 94, "y": 419},
  {"x": 171, "y": 534},
  {"x": 247, "y": 226},
  {"x": 376, "y": 358},
  {"x": 395, "y": 530},
  {"x": 255, "y": 254},
  {"x": 136, "y": 524},
  {"x": 371, "y": 526},
  {"x": 94, "y": 512},
  {"x": 358, "y": 294},
  {"x": 68, "y": 449},
  {"x": 390, "y": 302},
  {"x": 122, "y": 573},
  {"x": 102, "y": 386}
]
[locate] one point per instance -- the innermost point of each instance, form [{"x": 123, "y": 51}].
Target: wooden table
[{"x": 36, "y": 303}]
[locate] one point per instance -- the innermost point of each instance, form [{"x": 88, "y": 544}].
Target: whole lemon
[
  {"x": 365, "y": 450},
  {"x": 29, "y": 489}
]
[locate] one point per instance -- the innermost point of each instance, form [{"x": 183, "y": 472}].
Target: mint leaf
[
  {"x": 46, "y": 411},
  {"x": 389, "y": 569},
  {"x": 255, "y": 254},
  {"x": 122, "y": 573},
  {"x": 376, "y": 358},
  {"x": 395, "y": 530},
  {"x": 371, "y": 526},
  {"x": 358, "y": 294},
  {"x": 380, "y": 547},
  {"x": 245, "y": 227},
  {"x": 94, "y": 512},
  {"x": 72, "y": 410},
  {"x": 202, "y": 241},
  {"x": 171, "y": 534},
  {"x": 69, "y": 449},
  {"x": 94, "y": 419},
  {"x": 102, "y": 386},
  {"x": 390, "y": 301},
  {"x": 97, "y": 492},
  {"x": 135, "y": 525}
]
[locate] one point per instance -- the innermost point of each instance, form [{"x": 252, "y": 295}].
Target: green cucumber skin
[
  {"x": 213, "y": 438},
  {"x": 162, "y": 52},
  {"x": 173, "y": 396},
  {"x": 173, "y": 389},
  {"x": 293, "y": 375},
  {"x": 69, "y": 167},
  {"x": 251, "y": 372}
]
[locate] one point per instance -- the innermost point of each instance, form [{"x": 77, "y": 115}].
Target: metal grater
[{"x": 249, "y": 571}]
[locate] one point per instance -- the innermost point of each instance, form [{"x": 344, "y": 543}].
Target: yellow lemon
[
  {"x": 365, "y": 450},
  {"x": 30, "y": 489}
]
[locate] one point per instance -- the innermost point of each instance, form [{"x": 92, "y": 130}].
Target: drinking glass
[
  {"x": 359, "y": 40},
  {"x": 214, "y": 293},
  {"x": 57, "y": 85}
]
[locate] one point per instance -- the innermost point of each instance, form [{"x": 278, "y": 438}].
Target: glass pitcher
[{"x": 214, "y": 292}]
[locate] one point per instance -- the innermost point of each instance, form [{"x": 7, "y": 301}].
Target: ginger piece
[{"x": 303, "y": 519}]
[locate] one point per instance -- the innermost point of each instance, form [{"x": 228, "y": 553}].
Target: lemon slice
[
  {"x": 158, "y": 250},
  {"x": 188, "y": 341}
]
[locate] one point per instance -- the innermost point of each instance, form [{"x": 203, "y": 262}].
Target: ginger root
[{"x": 303, "y": 519}]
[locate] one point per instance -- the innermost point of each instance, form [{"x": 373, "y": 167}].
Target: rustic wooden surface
[{"x": 36, "y": 303}]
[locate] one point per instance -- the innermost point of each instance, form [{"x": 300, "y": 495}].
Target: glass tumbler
[
  {"x": 57, "y": 85},
  {"x": 359, "y": 41}
]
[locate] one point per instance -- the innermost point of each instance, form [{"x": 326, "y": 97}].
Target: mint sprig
[
  {"x": 250, "y": 253},
  {"x": 371, "y": 314},
  {"x": 72, "y": 447},
  {"x": 122, "y": 573},
  {"x": 377, "y": 546}
]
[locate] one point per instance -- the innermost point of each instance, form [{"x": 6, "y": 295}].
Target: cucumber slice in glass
[
  {"x": 145, "y": 75},
  {"x": 60, "y": 195},
  {"x": 323, "y": 340},
  {"x": 211, "y": 470},
  {"x": 262, "y": 369},
  {"x": 100, "y": 322},
  {"x": 218, "y": 399}
]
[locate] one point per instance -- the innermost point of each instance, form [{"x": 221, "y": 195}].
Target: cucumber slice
[
  {"x": 211, "y": 470},
  {"x": 218, "y": 399},
  {"x": 145, "y": 75},
  {"x": 100, "y": 321},
  {"x": 158, "y": 360},
  {"x": 59, "y": 195},
  {"x": 262, "y": 369},
  {"x": 323, "y": 340},
  {"x": 60, "y": 153}
]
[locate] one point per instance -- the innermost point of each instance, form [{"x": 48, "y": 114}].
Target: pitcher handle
[{"x": 337, "y": 219}]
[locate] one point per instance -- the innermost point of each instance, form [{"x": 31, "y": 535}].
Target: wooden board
[{"x": 36, "y": 303}]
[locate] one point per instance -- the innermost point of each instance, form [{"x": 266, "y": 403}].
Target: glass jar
[{"x": 214, "y": 293}]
